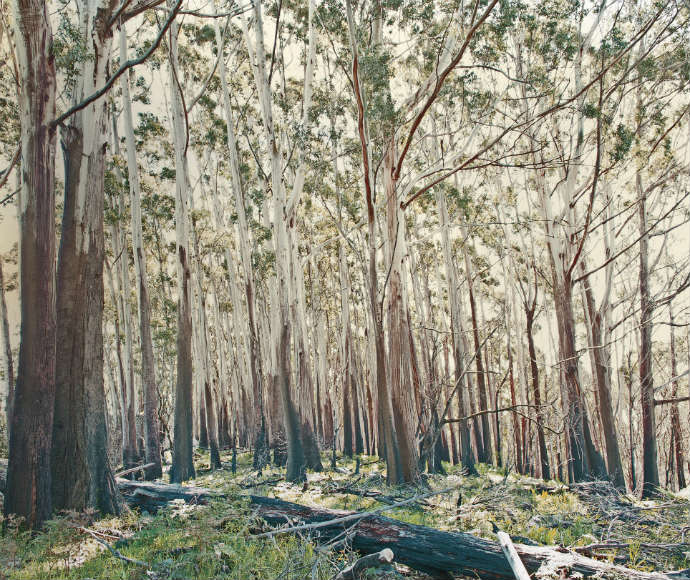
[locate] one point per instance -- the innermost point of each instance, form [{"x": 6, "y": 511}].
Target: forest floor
[{"x": 217, "y": 540}]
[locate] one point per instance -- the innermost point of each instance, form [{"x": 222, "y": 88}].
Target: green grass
[{"x": 217, "y": 540}]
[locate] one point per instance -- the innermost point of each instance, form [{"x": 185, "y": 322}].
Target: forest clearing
[{"x": 334, "y": 288}]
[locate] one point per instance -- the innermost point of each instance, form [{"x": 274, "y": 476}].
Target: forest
[{"x": 345, "y": 289}]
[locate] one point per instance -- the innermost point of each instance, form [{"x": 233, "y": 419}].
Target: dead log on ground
[
  {"x": 153, "y": 496},
  {"x": 438, "y": 553},
  {"x": 428, "y": 550}
]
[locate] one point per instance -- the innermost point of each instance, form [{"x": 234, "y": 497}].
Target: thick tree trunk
[
  {"x": 81, "y": 472},
  {"x": 183, "y": 460},
  {"x": 399, "y": 371},
  {"x": 28, "y": 480},
  {"x": 152, "y": 445}
]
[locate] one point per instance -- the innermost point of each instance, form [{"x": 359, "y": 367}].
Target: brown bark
[
  {"x": 517, "y": 439},
  {"x": 584, "y": 461},
  {"x": 28, "y": 479},
  {"x": 650, "y": 470},
  {"x": 212, "y": 426},
  {"x": 601, "y": 362},
  {"x": 81, "y": 472},
  {"x": 399, "y": 371},
  {"x": 545, "y": 471},
  {"x": 677, "y": 441},
  {"x": 183, "y": 459},
  {"x": 485, "y": 456}
]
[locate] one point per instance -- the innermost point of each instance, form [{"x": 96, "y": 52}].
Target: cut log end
[{"x": 375, "y": 560}]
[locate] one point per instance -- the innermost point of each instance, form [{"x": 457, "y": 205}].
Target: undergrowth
[{"x": 217, "y": 540}]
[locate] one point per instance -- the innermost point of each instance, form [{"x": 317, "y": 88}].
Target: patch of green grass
[{"x": 212, "y": 541}]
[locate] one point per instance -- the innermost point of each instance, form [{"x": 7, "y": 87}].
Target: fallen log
[
  {"x": 428, "y": 550},
  {"x": 153, "y": 496},
  {"x": 438, "y": 553}
]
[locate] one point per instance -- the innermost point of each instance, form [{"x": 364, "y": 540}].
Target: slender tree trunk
[
  {"x": 28, "y": 475},
  {"x": 583, "y": 460},
  {"x": 677, "y": 448},
  {"x": 129, "y": 451},
  {"x": 543, "y": 453},
  {"x": 260, "y": 437},
  {"x": 212, "y": 425},
  {"x": 650, "y": 470},
  {"x": 152, "y": 446},
  {"x": 485, "y": 432},
  {"x": 466, "y": 456},
  {"x": 7, "y": 350}
]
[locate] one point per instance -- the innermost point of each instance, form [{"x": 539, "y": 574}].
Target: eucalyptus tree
[
  {"x": 560, "y": 224},
  {"x": 28, "y": 492},
  {"x": 289, "y": 289},
  {"x": 238, "y": 187},
  {"x": 152, "y": 451},
  {"x": 82, "y": 476},
  {"x": 396, "y": 132},
  {"x": 183, "y": 458}
]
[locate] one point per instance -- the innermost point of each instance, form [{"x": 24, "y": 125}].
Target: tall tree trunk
[
  {"x": 152, "y": 445},
  {"x": 183, "y": 458},
  {"x": 81, "y": 472},
  {"x": 130, "y": 451},
  {"x": 485, "y": 432},
  {"x": 466, "y": 456},
  {"x": 650, "y": 470},
  {"x": 28, "y": 474},
  {"x": 388, "y": 438},
  {"x": 399, "y": 370},
  {"x": 259, "y": 437}
]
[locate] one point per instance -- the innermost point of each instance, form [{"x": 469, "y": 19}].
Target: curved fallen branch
[{"x": 112, "y": 550}]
